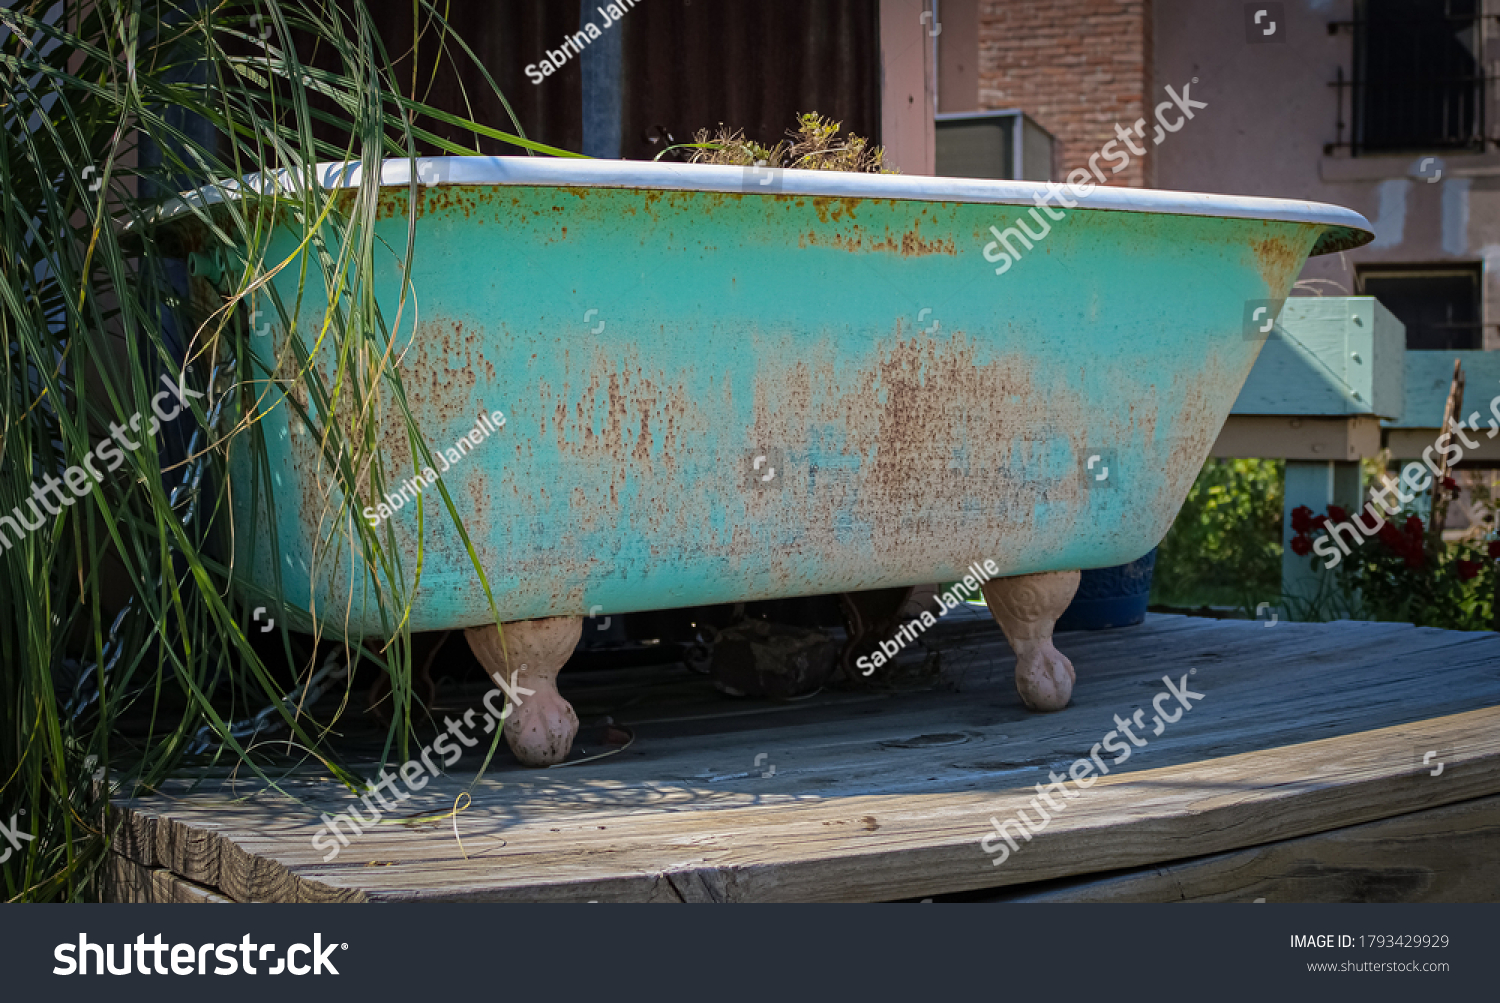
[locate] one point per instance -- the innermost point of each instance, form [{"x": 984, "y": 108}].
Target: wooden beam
[
  {"x": 907, "y": 127},
  {"x": 1409, "y": 443},
  {"x": 1328, "y": 356},
  {"x": 1315, "y": 486},
  {"x": 1428, "y": 378},
  {"x": 127, "y": 881},
  {"x": 1439, "y": 855},
  {"x": 1286, "y": 437}
]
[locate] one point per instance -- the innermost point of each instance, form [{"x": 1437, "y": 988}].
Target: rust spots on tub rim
[
  {"x": 855, "y": 239},
  {"x": 832, "y": 209},
  {"x": 393, "y": 201},
  {"x": 1280, "y": 257}
]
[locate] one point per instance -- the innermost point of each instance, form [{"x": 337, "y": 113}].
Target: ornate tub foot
[
  {"x": 542, "y": 725},
  {"x": 1027, "y": 607}
]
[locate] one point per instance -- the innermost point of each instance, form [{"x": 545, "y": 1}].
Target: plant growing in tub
[{"x": 814, "y": 145}]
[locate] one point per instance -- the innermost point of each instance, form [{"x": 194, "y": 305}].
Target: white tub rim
[{"x": 1346, "y": 228}]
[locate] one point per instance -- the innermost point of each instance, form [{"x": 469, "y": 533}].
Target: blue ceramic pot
[{"x": 1111, "y": 597}]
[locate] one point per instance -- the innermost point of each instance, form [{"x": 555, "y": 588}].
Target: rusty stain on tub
[
  {"x": 971, "y": 436},
  {"x": 910, "y": 244},
  {"x": 896, "y": 414},
  {"x": 832, "y": 210},
  {"x": 1280, "y": 259}
]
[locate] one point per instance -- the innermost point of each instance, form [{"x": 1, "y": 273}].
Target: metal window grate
[
  {"x": 1441, "y": 305},
  {"x": 1418, "y": 83}
]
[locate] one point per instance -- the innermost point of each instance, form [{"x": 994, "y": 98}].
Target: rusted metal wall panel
[
  {"x": 751, "y": 64},
  {"x": 506, "y": 36}
]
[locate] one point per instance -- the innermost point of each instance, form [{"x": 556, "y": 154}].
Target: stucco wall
[{"x": 1270, "y": 112}]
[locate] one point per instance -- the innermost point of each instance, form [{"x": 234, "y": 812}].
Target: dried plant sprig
[{"x": 814, "y": 145}]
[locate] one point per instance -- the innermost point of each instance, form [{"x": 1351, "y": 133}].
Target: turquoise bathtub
[{"x": 721, "y": 384}]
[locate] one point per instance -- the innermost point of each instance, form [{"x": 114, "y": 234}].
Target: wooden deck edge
[
  {"x": 1439, "y": 855},
  {"x": 1140, "y": 819},
  {"x": 924, "y": 844},
  {"x": 201, "y": 857},
  {"x": 127, "y": 881}
]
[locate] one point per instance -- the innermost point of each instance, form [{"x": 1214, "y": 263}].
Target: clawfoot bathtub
[{"x": 716, "y": 385}]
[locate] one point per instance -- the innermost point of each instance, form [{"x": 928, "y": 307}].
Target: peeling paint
[
  {"x": 1390, "y": 213},
  {"x": 1456, "y": 216}
]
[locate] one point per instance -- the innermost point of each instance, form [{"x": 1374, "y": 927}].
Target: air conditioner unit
[{"x": 1005, "y": 145}]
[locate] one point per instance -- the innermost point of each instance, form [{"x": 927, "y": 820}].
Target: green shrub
[{"x": 1224, "y": 548}]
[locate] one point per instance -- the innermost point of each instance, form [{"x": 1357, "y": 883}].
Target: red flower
[
  {"x": 1301, "y": 545},
  {"x": 1337, "y": 514},
  {"x": 1391, "y": 537},
  {"x": 1494, "y": 549},
  {"x": 1322, "y": 522},
  {"x": 1415, "y": 559},
  {"x": 1413, "y": 525},
  {"x": 1450, "y": 484},
  {"x": 1468, "y": 569},
  {"x": 1301, "y": 519}
]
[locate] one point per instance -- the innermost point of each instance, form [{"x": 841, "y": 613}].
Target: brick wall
[{"x": 1077, "y": 67}]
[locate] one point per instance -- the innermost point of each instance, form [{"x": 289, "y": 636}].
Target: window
[
  {"x": 1440, "y": 306},
  {"x": 1418, "y": 82}
]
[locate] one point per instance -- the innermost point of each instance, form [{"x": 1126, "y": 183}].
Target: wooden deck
[{"x": 1298, "y": 777}]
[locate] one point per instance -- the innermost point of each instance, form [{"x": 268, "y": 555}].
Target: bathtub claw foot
[
  {"x": 541, "y": 726},
  {"x": 1027, "y": 607}
]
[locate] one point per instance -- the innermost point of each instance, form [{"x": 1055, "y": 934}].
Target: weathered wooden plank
[
  {"x": 1411, "y": 443},
  {"x": 1278, "y": 437},
  {"x": 1428, "y": 376},
  {"x": 127, "y": 881},
  {"x": 896, "y": 846},
  {"x": 1440, "y": 855},
  {"x": 856, "y": 809}
]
